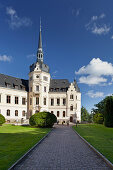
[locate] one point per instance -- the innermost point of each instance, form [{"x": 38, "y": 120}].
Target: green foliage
[
  {"x": 108, "y": 116},
  {"x": 85, "y": 116},
  {"x": 43, "y": 119},
  {"x": 2, "y": 119},
  {"x": 98, "y": 118}
]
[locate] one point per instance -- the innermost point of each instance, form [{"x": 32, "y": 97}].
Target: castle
[{"x": 19, "y": 98}]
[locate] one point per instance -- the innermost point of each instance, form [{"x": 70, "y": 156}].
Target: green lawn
[
  {"x": 15, "y": 141},
  {"x": 99, "y": 136}
]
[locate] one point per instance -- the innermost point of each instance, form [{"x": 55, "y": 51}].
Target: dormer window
[
  {"x": 71, "y": 96},
  {"x": 16, "y": 86}
]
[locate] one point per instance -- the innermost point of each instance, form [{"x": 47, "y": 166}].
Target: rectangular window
[
  {"x": 37, "y": 88},
  {"x": 64, "y": 101},
  {"x": 58, "y": 101},
  {"x": 8, "y": 100},
  {"x": 16, "y": 100},
  {"x": 52, "y": 112},
  {"x": 57, "y": 113},
  {"x": 44, "y": 89},
  {"x": 16, "y": 112},
  {"x": 44, "y": 101},
  {"x": 71, "y": 96},
  {"x": 23, "y": 100},
  {"x": 76, "y": 97},
  {"x": 30, "y": 101},
  {"x": 52, "y": 102},
  {"x": 0, "y": 98},
  {"x": 23, "y": 113},
  {"x": 37, "y": 100},
  {"x": 45, "y": 78}
]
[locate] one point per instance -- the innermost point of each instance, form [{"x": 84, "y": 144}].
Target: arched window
[
  {"x": 71, "y": 108},
  {"x": 57, "y": 113},
  {"x": 63, "y": 113},
  {"x": 8, "y": 112},
  {"x": 16, "y": 112},
  {"x": 23, "y": 113}
]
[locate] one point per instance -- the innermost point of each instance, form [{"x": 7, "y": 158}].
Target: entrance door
[{"x": 71, "y": 119}]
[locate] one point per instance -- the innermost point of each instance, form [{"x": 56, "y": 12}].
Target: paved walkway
[{"x": 62, "y": 150}]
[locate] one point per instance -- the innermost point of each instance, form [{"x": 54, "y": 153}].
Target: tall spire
[{"x": 40, "y": 51}]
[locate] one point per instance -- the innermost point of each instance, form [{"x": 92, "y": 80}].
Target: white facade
[{"x": 11, "y": 111}]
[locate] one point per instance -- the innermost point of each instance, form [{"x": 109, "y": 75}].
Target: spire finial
[{"x": 40, "y": 24}]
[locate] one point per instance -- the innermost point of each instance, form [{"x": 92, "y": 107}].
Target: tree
[
  {"x": 98, "y": 118},
  {"x": 2, "y": 119},
  {"x": 84, "y": 114},
  {"x": 108, "y": 116}
]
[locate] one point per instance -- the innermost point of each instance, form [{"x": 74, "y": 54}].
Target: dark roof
[
  {"x": 43, "y": 67},
  {"x": 40, "y": 41},
  {"x": 13, "y": 82},
  {"x": 61, "y": 85}
]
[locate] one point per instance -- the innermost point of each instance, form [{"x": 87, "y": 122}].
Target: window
[
  {"x": 30, "y": 101},
  {"x": 76, "y": 97},
  {"x": 0, "y": 111},
  {"x": 30, "y": 89},
  {"x": 8, "y": 99},
  {"x": 63, "y": 113},
  {"x": 16, "y": 100},
  {"x": 45, "y": 78},
  {"x": 8, "y": 112},
  {"x": 8, "y": 85},
  {"x": 0, "y": 98},
  {"x": 71, "y": 108},
  {"x": 16, "y": 112},
  {"x": 37, "y": 100},
  {"x": 76, "y": 105},
  {"x": 44, "y": 101},
  {"x": 71, "y": 96},
  {"x": 58, "y": 101},
  {"x": 57, "y": 113},
  {"x": 23, "y": 113},
  {"x": 44, "y": 89},
  {"x": 16, "y": 86},
  {"x": 23, "y": 100},
  {"x": 37, "y": 88},
  {"x": 64, "y": 101},
  {"x": 52, "y": 112},
  {"x": 52, "y": 102},
  {"x": 30, "y": 113}
]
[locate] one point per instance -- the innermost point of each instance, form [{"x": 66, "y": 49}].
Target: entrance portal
[{"x": 71, "y": 119}]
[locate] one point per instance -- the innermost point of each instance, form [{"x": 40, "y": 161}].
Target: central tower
[{"x": 39, "y": 82}]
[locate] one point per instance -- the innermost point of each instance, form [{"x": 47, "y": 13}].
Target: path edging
[
  {"x": 31, "y": 149},
  {"x": 95, "y": 150}
]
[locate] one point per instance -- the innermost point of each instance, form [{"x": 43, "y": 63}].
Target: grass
[
  {"x": 98, "y": 136},
  {"x": 15, "y": 141}
]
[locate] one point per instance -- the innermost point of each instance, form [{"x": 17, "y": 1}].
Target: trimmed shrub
[
  {"x": 43, "y": 119},
  {"x": 2, "y": 119},
  {"x": 108, "y": 116}
]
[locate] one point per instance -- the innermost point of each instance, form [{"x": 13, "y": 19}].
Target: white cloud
[
  {"x": 16, "y": 21},
  {"x": 5, "y": 58},
  {"x": 97, "y": 27},
  {"x": 103, "y": 29},
  {"x": 31, "y": 55},
  {"x": 95, "y": 72},
  {"x": 92, "y": 80},
  {"x": 93, "y": 94}
]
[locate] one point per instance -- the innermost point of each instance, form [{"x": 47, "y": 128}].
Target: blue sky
[{"x": 77, "y": 42}]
